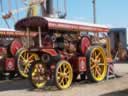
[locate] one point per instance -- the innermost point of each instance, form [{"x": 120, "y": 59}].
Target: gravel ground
[{"x": 113, "y": 87}]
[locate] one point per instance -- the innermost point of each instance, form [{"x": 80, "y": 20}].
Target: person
[{"x": 47, "y": 41}]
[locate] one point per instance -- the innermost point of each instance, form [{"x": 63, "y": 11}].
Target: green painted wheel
[
  {"x": 63, "y": 75},
  {"x": 96, "y": 64},
  {"x": 37, "y": 74},
  {"x": 24, "y": 60}
]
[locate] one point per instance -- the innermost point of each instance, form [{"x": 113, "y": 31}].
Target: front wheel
[
  {"x": 63, "y": 75},
  {"x": 37, "y": 74}
]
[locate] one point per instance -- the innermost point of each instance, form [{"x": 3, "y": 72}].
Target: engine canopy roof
[{"x": 58, "y": 24}]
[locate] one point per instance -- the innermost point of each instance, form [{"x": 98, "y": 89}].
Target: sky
[{"x": 113, "y": 13}]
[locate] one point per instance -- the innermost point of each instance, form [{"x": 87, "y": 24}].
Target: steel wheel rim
[
  {"x": 64, "y": 75},
  {"x": 38, "y": 75},
  {"x": 24, "y": 61},
  {"x": 98, "y": 64}
]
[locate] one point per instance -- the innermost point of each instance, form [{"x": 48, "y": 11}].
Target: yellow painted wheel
[
  {"x": 63, "y": 75},
  {"x": 96, "y": 64},
  {"x": 37, "y": 74},
  {"x": 24, "y": 60}
]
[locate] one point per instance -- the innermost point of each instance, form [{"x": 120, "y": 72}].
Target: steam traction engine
[
  {"x": 10, "y": 42},
  {"x": 60, "y": 53}
]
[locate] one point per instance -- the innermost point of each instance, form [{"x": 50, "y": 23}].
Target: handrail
[{"x": 17, "y": 33}]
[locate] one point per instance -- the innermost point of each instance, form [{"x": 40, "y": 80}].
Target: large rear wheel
[
  {"x": 24, "y": 60},
  {"x": 63, "y": 75},
  {"x": 37, "y": 74},
  {"x": 96, "y": 64}
]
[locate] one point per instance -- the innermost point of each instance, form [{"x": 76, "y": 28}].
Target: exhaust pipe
[{"x": 49, "y": 10}]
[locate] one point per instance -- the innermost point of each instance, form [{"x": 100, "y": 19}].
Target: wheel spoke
[
  {"x": 66, "y": 69},
  {"x": 26, "y": 69},
  {"x": 66, "y": 79},
  {"x": 101, "y": 64},
  {"x": 30, "y": 61},
  {"x": 99, "y": 69},
  {"x": 30, "y": 57},
  {"x": 92, "y": 59},
  {"x": 60, "y": 74},
  {"x": 22, "y": 57},
  {"x": 68, "y": 73},
  {"x": 25, "y": 54},
  {"x": 58, "y": 78},
  {"x": 98, "y": 55},
  {"x": 98, "y": 73},
  {"x": 61, "y": 70},
  {"x": 67, "y": 76},
  {"x": 94, "y": 65},
  {"x": 94, "y": 72},
  {"x": 95, "y": 54},
  {"x": 62, "y": 80}
]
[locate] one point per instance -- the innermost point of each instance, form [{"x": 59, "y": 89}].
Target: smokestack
[{"x": 49, "y": 5}]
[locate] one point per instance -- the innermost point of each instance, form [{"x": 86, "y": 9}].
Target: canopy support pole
[
  {"x": 28, "y": 37},
  {"x": 40, "y": 39}
]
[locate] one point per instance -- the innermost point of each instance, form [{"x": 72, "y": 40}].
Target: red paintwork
[
  {"x": 85, "y": 43},
  {"x": 10, "y": 64},
  {"x": 15, "y": 45},
  {"x": 78, "y": 64},
  {"x": 82, "y": 63},
  {"x": 3, "y": 51},
  {"x": 52, "y": 52}
]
